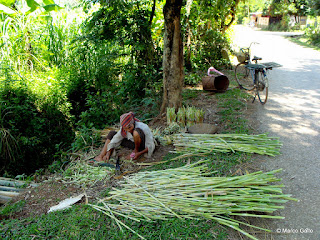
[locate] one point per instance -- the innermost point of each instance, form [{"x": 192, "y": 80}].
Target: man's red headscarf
[{"x": 125, "y": 120}]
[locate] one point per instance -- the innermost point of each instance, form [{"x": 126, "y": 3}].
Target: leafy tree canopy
[
  {"x": 7, "y": 3},
  {"x": 9, "y": 6}
]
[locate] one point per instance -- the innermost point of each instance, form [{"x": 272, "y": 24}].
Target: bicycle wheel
[
  {"x": 244, "y": 77},
  {"x": 262, "y": 84}
]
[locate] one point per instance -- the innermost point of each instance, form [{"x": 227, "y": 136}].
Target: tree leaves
[
  {"x": 6, "y": 10},
  {"x": 33, "y": 5}
]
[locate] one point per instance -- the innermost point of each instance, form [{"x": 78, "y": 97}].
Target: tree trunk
[{"x": 173, "y": 73}]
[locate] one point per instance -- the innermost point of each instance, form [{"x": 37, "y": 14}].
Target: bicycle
[{"x": 253, "y": 76}]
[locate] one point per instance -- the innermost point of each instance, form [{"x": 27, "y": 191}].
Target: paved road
[{"x": 293, "y": 114}]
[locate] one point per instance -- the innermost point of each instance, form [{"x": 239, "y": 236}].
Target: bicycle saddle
[{"x": 255, "y": 58}]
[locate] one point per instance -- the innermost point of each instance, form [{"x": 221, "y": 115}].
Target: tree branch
[{"x": 152, "y": 12}]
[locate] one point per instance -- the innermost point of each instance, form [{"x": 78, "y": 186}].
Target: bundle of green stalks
[
  {"x": 171, "y": 115},
  {"x": 190, "y": 192},
  {"x": 181, "y": 117},
  {"x": 185, "y": 116},
  {"x": 199, "y": 115},
  {"x": 206, "y": 143},
  {"x": 190, "y": 116},
  {"x": 80, "y": 173}
]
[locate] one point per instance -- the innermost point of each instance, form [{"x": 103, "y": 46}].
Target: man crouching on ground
[{"x": 133, "y": 134}]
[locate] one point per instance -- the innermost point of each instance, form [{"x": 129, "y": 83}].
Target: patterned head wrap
[{"x": 125, "y": 120}]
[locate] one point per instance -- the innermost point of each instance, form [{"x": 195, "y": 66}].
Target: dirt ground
[{"x": 51, "y": 191}]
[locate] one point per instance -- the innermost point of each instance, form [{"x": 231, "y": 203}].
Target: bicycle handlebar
[{"x": 253, "y": 43}]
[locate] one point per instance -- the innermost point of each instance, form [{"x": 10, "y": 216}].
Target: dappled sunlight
[
  {"x": 290, "y": 113},
  {"x": 293, "y": 108},
  {"x": 306, "y": 130},
  {"x": 293, "y": 102}
]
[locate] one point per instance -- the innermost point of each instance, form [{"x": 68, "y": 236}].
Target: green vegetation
[
  {"x": 312, "y": 34},
  {"x": 69, "y": 68},
  {"x": 9, "y": 210},
  {"x": 66, "y": 73},
  {"x": 283, "y": 15},
  {"x": 83, "y": 222},
  {"x": 206, "y": 143},
  {"x": 305, "y": 41},
  {"x": 231, "y": 105}
]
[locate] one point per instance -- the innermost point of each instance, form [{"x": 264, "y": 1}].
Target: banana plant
[{"x": 45, "y": 5}]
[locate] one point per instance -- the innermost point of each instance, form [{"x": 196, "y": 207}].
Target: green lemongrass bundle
[
  {"x": 190, "y": 116},
  {"x": 185, "y": 116},
  {"x": 171, "y": 115},
  {"x": 206, "y": 143},
  {"x": 181, "y": 116},
  {"x": 80, "y": 173},
  {"x": 190, "y": 192},
  {"x": 199, "y": 115}
]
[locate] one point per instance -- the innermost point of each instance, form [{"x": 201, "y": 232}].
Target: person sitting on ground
[{"x": 133, "y": 134}]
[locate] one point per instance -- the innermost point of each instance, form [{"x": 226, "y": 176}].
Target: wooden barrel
[{"x": 219, "y": 83}]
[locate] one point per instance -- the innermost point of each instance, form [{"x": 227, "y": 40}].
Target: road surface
[{"x": 293, "y": 114}]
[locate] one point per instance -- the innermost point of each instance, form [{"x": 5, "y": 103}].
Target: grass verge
[
  {"x": 83, "y": 222},
  {"x": 303, "y": 41}
]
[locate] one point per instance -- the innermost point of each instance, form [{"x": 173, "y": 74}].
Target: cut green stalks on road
[
  {"x": 207, "y": 143},
  {"x": 189, "y": 192}
]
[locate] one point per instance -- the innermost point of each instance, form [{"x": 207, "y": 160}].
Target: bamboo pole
[
  {"x": 4, "y": 199},
  {"x": 12, "y": 189},
  {"x": 9, "y": 194}
]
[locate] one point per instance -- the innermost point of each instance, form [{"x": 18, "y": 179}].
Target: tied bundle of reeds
[
  {"x": 190, "y": 116},
  {"x": 199, "y": 115},
  {"x": 206, "y": 143},
  {"x": 181, "y": 117},
  {"x": 185, "y": 116},
  {"x": 171, "y": 116},
  {"x": 190, "y": 192}
]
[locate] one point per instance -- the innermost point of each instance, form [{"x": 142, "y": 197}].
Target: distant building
[{"x": 259, "y": 20}]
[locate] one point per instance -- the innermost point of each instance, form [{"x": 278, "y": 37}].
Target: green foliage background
[
  {"x": 78, "y": 65},
  {"x": 81, "y": 67}
]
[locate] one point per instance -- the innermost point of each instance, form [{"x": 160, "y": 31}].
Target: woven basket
[
  {"x": 242, "y": 57},
  {"x": 202, "y": 128}
]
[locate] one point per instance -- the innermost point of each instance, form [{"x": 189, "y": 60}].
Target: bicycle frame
[
  {"x": 253, "y": 76},
  {"x": 260, "y": 81}
]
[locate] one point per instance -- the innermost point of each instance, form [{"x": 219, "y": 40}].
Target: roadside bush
[
  {"x": 209, "y": 50},
  {"x": 103, "y": 108},
  {"x": 107, "y": 73},
  {"x": 39, "y": 133},
  {"x": 85, "y": 139},
  {"x": 192, "y": 78},
  {"x": 313, "y": 35}
]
